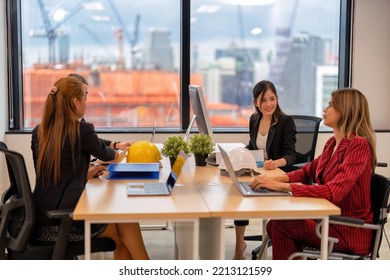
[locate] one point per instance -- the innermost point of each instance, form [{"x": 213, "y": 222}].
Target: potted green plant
[
  {"x": 201, "y": 146},
  {"x": 172, "y": 145}
]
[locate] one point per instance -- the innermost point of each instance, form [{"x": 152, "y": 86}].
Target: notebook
[
  {"x": 243, "y": 187},
  {"x": 159, "y": 188}
]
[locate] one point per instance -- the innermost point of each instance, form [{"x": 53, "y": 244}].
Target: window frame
[{"x": 15, "y": 65}]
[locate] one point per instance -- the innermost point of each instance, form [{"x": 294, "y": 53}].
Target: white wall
[
  {"x": 371, "y": 58},
  {"x": 371, "y": 72}
]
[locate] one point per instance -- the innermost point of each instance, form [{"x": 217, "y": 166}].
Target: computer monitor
[
  {"x": 199, "y": 107},
  {"x": 188, "y": 132}
]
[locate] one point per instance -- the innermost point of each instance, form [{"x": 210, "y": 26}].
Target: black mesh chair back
[
  {"x": 12, "y": 188},
  {"x": 17, "y": 219},
  {"x": 307, "y": 134},
  {"x": 380, "y": 193},
  {"x": 17, "y": 214}
]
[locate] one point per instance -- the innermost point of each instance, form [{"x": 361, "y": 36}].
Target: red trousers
[{"x": 289, "y": 235}]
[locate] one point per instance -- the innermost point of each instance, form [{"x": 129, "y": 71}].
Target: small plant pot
[{"x": 200, "y": 160}]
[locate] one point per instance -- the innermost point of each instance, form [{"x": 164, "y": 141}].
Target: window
[
  {"x": 126, "y": 50},
  {"x": 136, "y": 56},
  {"x": 236, "y": 43}
]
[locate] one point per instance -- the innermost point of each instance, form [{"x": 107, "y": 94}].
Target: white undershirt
[{"x": 261, "y": 143}]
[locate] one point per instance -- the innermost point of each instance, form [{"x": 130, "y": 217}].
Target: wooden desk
[
  {"x": 225, "y": 202},
  {"x": 199, "y": 205},
  {"x": 106, "y": 201}
]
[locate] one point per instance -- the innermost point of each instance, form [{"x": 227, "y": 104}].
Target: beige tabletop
[
  {"x": 107, "y": 200},
  {"x": 224, "y": 200},
  {"x": 201, "y": 195}
]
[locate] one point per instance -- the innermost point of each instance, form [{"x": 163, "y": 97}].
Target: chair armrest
[
  {"x": 353, "y": 222},
  {"x": 253, "y": 237},
  {"x": 348, "y": 221},
  {"x": 65, "y": 227},
  {"x": 59, "y": 214}
]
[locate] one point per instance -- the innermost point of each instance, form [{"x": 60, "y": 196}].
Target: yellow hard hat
[{"x": 143, "y": 151}]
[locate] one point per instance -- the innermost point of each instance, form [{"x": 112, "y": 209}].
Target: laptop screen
[
  {"x": 229, "y": 166},
  {"x": 176, "y": 169}
]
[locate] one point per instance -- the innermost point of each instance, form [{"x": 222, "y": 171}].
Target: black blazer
[
  {"x": 66, "y": 193},
  {"x": 281, "y": 138}
]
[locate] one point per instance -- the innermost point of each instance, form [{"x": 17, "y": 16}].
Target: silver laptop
[
  {"x": 243, "y": 187},
  {"x": 159, "y": 188}
]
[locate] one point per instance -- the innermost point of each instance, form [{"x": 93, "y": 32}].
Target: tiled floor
[{"x": 159, "y": 242}]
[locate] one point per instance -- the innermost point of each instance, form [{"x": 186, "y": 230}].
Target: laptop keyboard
[
  {"x": 249, "y": 189},
  {"x": 155, "y": 188}
]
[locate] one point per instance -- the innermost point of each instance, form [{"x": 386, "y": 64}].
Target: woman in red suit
[{"x": 342, "y": 172}]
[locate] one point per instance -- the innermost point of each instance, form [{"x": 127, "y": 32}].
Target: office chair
[
  {"x": 380, "y": 191},
  {"x": 17, "y": 220},
  {"x": 307, "y": 133}
]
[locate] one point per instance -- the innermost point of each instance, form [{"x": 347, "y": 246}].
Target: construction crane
[
  {"x": 132, "y": 39},
  {"x": 96, "y": 38},
  {"x": 286, "y": 31},
  {"x": 51, "y": 32}
]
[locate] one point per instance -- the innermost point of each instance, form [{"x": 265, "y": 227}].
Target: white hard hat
[{"x": 242, "y": 159}]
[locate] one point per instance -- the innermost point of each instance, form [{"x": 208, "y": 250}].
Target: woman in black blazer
[
  {"x": 62, "y": 146},
  {"x": 273, "y": 132}
]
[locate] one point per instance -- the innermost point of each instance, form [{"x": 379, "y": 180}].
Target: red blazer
[{"x": 344, "y": 179}]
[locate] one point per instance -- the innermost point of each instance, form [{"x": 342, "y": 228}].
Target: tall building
[
  {"x": 293, "y": 72},
  {"x": 327, "y": 78},
  {"x": 158, "y": 50},
  {"x": 63, "y": 49},
  {"x": 217, "y": 79},
  {"x": 230, "y": 77}
]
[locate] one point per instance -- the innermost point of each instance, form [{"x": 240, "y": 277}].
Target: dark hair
[
  {"x": 258, "y": 91},
  {"x": 78, "y": 77}
]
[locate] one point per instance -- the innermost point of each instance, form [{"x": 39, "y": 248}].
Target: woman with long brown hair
[{"x": 62, "y": 147}]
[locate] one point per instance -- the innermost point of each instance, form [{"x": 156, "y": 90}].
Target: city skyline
[
  {"x": 232, "y": 47},
  {"x": 92, "y": 28}
]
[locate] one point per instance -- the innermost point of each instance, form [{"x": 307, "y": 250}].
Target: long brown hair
[
  {"x": 355, "y": 117},
  {"x": 59, "y": 122},
  {"x": 258, "y": 91}
]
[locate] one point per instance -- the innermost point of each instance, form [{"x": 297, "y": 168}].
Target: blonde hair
[
  {"x": 355, "y": 117},
  {"x": 59, "y": 123}
]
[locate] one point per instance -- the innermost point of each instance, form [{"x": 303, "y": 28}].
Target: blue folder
[{"x": 133, "y": 171}]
